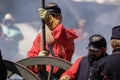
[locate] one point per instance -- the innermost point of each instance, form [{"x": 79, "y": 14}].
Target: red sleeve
[
  {"x": 35, "y": 47},
  {"x": 64, "y": 36},
  {"x": 73, "y": 70}
]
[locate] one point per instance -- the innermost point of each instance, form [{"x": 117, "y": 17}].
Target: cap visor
[{"x": 93, "y": 48}]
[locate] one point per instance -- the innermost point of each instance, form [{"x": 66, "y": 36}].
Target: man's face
[
  {"x": 57, "y": 16},
  {"x": 9, "y": 22},
  {"x": 96, "y": 54}
]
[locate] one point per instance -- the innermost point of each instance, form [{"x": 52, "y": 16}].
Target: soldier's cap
[
  {"x": 116, "y": 32},
  {"x": 53, "y": 8},
  {"x": 96, "y": 42},
  {"x": 8, "y": 17}
]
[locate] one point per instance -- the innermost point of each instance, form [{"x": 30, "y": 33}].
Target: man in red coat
[{"x": 60, "y": 38}]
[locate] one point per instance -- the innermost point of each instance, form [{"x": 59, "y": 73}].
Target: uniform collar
[{"x": 116, "y": 50}]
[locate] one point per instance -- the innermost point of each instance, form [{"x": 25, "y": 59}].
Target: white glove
[
  {"x": 50, "y": 21},
  {"x": 43, "y": 14},
  {"x": 43, "y": 53},
  {"x": 65, "y": 78}
]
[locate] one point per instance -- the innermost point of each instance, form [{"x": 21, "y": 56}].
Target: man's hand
[
  {"x": 65, "y": 78},
  {"x": 50, "y": 21},
  {"x": 43, "y": 14},
  {"x": 43, "y": 53}
]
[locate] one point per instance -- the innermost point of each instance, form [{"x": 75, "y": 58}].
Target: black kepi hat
[
  {"x": 115, "y": 32},
  {"x": 53, "y": 8},
  {"x": 96, "y": 42}
]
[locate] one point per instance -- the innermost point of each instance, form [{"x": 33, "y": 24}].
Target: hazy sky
[{"x": 100, "y": 17}]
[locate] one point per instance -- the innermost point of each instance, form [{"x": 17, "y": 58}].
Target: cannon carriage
[{"x": 21, "y": 67}]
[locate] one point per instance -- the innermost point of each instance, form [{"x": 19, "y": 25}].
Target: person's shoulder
[
  {"x": 38, "y": 36},
  {"x": 83, "y": 57},
  {"x": 104, "y": 60},
  {"x": 4, "y": 26},
  {"x": 111, "y": 56}
]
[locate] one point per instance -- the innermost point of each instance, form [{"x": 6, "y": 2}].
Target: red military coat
[
  {"x": 73, "y": 70},
  {"x": 63, "y": 46}
]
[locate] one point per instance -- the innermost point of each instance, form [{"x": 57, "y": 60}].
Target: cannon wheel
[
  {"x": 16, "y": 68},
  {"x": 46, "y": 60}
]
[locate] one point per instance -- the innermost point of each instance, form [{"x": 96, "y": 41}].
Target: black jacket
[
  {"x": 107, "y": 68},
  {"x": 85, "y": 68},
  {"x": 3, "y": 71}
]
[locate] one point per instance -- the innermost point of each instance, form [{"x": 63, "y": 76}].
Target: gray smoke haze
[{"x": 100, "y": 19}]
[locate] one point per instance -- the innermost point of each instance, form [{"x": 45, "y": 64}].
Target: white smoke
[{"x": 100, "y": 19}]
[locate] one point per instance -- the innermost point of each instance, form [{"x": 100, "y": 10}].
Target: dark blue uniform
[
  {"x": 85, "y": 68},
  {"x": 108, "y": 68}
]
